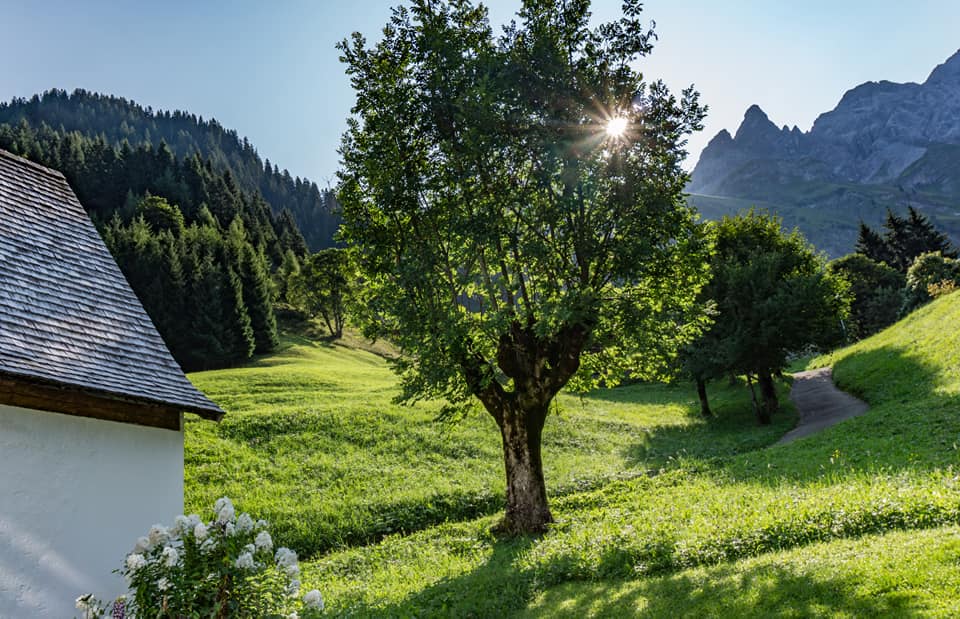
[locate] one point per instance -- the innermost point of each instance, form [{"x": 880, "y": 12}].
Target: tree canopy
[
  {"x": 773, "y": 296},
  {"x": 904, "y": 239},
  {"x": 508, "y": 243},
  {"x": 321, "y": 286},
  {"x": 929, "y": 270},
  {"x": 876, "y": 291}
]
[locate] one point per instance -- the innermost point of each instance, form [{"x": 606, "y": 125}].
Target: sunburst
[{"x": 617, "y": 127}]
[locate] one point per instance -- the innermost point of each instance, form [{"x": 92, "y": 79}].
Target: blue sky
[{"x": 270, "y": 70}]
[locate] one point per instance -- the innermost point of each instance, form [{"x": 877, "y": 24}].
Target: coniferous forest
[
  {"x": 31, "y": 125},
  {"x": 195, "y": 220}
]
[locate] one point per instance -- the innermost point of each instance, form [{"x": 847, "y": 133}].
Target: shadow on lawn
[
  {"x": 758, "y": 591},
  {"x": 732, "y": 430},
  {"x": 499, "y": 589},
  {"x": 495, "y": 589},
  {"x": 912, "y": 424}
]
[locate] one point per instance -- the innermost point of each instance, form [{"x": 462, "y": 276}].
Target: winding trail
[{"x": 819, "y": 403}]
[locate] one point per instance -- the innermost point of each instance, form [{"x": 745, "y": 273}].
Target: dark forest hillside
[
  {"x": 201, "y": 247},
  {"x": 116, "y": 121}
]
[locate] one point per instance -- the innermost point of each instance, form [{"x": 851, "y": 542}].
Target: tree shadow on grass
[
  {"x": 912, "y": 424},
  {"x": 732, "y": 430},
  {"x": 728, "y": 591},
  {"x": 497, "y": 588}
]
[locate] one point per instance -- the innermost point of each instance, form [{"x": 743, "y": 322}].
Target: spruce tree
[
  {"x": 925, "y": 238},
  {"x": 872, "y": 245},
  {"x": 256, "y": 287}
]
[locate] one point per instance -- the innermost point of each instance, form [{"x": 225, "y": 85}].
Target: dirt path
[{"x": 820, "y": 403}]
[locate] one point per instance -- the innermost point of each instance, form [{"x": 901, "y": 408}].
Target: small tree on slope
[
  {"x": 509, "y": 244},
  {"x": 773, "y": 296}
]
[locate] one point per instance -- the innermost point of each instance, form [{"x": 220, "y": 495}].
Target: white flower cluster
[
  {"x": 88, "y": 605},
  {"x": 224, "y": 510},
  {"x": 313, "y": 599},
  {"x": 135, "y": 561},
  {"x": 245, "y": 561},
  {"x": 264, "y": 542},
  {"x": 214, "y": 549}
]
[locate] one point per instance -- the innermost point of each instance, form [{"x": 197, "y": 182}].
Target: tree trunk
[
  {"x": 527, "y": 510},
  {"x": 539, "y": 368},
  {"x": 769, "y": 392},
  {"x": 338, "y": 322},
  {"x": 763, "y": 415},
  {"x": 702, "y": 393}
]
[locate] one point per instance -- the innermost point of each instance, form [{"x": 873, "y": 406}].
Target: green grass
[
  {"x": 891, "y": 469},
  {"x": 313, "y": 442},
  {"x": 903, "y": 574},
  {"x": 658, "y": 512}
]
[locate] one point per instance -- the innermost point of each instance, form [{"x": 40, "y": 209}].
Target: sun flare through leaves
[{"x": 617, "y": 127}]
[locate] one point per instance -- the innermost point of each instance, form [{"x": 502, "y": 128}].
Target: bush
[
  {"x": 224, "y": 567},
  {"x": 929, "y": 269},
  {"x": 876, "y": 290}
]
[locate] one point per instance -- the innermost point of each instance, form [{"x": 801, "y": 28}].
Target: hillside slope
[
  {"x": 118, "y": 121},
  {"x": 313, "y": 442},
  {"x": 884, "y": 145},
  {"x": 893, "y": 469}
]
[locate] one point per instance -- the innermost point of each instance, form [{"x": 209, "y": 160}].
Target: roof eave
[{"x": 70, "y": 399}]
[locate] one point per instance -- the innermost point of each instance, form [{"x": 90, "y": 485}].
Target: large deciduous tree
[{"x": 511, "y": 238}]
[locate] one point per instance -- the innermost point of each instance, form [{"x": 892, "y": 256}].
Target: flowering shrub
[{"x": 225, "y": 567}]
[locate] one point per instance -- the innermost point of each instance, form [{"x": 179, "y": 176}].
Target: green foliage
[
  {"x": 929, "y": 269},
  {"x": 207, "y": 291},
  {"x": 876, "y": 291},
  {"x": 253, "y": 270},
  {"x": 79, "y": 133},
  {"x": 322, "y": 286},
  {"x": 471, "y": 223},
  {"x": 773, "y": 297},
  {"x": 903, "y": 240},
  {"x": 288, "y": 269},
  {"x": 160, "y": 215}
]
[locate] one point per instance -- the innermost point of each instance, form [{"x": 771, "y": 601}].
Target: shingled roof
[{"x": 69, "y": 320}]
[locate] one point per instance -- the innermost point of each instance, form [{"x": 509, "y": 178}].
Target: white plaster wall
[{"x": 75, "y": 493}]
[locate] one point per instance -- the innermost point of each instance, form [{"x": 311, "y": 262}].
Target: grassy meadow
[{"x": 658, "y": 512}]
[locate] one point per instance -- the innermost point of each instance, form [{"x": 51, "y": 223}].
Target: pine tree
[
  {"x": 904, "y": 239},
  {"x": 925, "y": 238},
  {"x": 256, "y": 287},
  {"x": 872, "y": 245}
]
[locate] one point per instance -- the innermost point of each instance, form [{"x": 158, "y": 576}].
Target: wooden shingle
[{"x": 69, "y": 322}]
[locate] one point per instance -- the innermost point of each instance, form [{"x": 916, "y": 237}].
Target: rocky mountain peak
[
  {"x": 949, "y": 71},
  {"x": 883, "y": 145},
  {"x": 755, "y": 122}
]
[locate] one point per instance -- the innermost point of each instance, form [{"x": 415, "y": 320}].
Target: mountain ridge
[{"x": 884, "y": 145}]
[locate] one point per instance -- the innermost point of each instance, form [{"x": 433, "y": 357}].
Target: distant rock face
[{"x": 885, "y": 145}]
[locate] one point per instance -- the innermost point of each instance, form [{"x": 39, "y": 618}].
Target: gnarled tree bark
[{"x": 538, "y": 367}]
